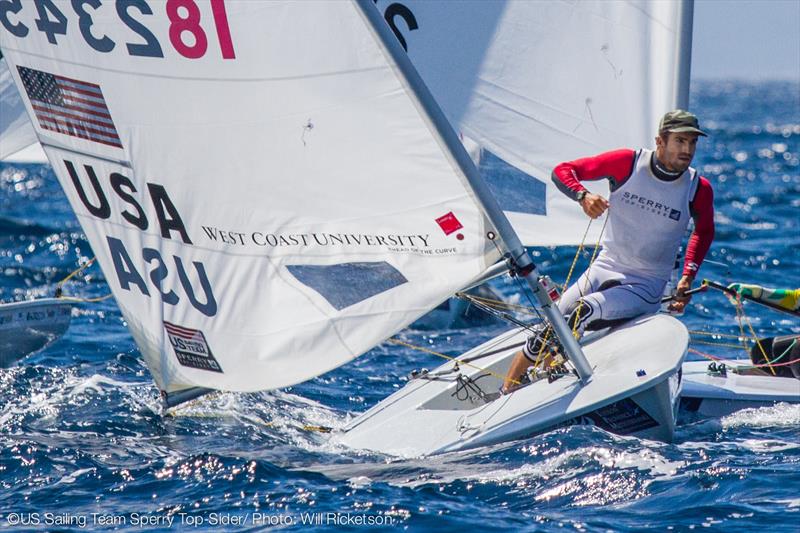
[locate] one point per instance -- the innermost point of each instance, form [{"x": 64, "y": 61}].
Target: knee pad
[
  {"x": 579, "y": 316},
  {"x": 534, "y": 344}
]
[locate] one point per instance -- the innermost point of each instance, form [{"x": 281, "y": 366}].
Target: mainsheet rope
[
  {"x": 540, "y": 355},
  {"x": 60, "y": 286}
]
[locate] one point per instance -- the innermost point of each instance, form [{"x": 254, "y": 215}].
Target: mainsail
[
  {"x": 264, "y": 196},
  {"x": 537, "y": 83}
]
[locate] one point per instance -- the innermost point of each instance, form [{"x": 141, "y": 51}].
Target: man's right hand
[
  {"x": 753, "y": 291},
  {"x": 594, "y": 205}
]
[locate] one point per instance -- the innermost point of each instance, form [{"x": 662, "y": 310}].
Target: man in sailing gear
[
  {"x": 778, "y": 350},
  {"x": 654, "y": 194}
]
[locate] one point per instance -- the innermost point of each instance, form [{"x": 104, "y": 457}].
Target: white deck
[
  {"x": 435, "y": 416},
  {"x": 717, "y": 395}
]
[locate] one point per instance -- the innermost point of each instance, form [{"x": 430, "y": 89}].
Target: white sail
[
  {"x": 537, "y": 83},
  {"x": 16, "y": 132},
  {"x": 264, "y": 196}
]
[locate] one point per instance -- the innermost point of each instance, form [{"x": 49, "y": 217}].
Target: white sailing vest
[{"x": 647, "y": 220}]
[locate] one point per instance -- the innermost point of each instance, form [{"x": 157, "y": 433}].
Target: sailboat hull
[
  {"x": 30, "y": 326},
  {"x": 634, "y": 391},
  {"x": 715, "y": 394}
]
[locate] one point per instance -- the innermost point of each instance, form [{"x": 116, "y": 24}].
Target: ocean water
[{"x": 83, "y": 446}]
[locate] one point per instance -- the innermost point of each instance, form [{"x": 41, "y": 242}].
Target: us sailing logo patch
[{"x": 191, "y": 348}]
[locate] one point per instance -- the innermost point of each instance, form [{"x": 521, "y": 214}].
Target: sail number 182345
[{"x": 186, "y": 29}]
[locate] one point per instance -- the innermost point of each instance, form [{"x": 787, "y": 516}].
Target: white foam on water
[
  {"x": 768, "y": 446},
  {"x": 72, "y": 477},
  {"x": 645, "y": 460},
  {"x": 98, "y": 383},
  {"x": 279, "y": 415},
  {"x": 779, "y": 415}
]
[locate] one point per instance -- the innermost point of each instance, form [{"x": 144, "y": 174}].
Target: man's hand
[
  {"x": 754, "y": 291},
  {"x": 594, "y": 205},
  {"x": 680, "y": 299}
]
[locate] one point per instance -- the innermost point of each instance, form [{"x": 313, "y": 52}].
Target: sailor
[
  {"x": 653, "y": 196},
  {"x": 783, "y": 350}
]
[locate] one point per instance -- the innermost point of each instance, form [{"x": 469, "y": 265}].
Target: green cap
[{"x": 680, "y": 121}]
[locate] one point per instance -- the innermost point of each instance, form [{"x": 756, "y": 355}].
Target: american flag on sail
[{"x": 70, "y": 106}]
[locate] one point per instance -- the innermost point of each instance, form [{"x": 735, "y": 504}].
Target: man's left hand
[{"x": 680, "y": 299}]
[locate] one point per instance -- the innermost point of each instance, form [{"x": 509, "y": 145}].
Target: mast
[
  {"x": 448, "y": 137},
  {"x": 683, "y": 66}
]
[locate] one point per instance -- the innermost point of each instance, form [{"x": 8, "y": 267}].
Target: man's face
[{"x": 678, "y": 151}]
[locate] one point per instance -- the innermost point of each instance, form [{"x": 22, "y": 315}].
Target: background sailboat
[{"x": 31, "y": 325}]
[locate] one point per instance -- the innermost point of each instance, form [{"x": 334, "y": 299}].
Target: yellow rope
[
  {"x": 437, "y": 354},
  {"x": 591, "y": 261},
  {"x": 503, "y": 305},
  {"x": 85, "y": 300},
  {"x": 741, "y": 319},
  {"x": 721, "y": 344},
  {"x": 76, "y": 271},
  {"x": 720, "y": 335},
  {"x": 577, "y": 254},
  {"x": 741, "y": 324},
  {"x": 539, "y": 356},
  {"x": 72, "y": 274},
  {"x": 740, "y": 314}
]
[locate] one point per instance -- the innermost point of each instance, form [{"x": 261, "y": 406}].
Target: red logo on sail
[{"x": 449, "y": 223}]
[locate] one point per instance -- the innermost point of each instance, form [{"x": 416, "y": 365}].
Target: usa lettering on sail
[{"x": 170, "y": 224}]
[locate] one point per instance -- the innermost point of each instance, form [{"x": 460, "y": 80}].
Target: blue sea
[{"x": 83, "y": 444}]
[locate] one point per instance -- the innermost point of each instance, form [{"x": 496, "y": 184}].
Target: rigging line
[
  {"x": 787, "y": 350},
  {"x": 518, "y": 281},
  {"x": 540, "y": 359},
  {"x": 493, "y": 352},
  {"x": 502, "y": 316},
  {"x": 717, "y": 334},
  {"x": 577, "y": 255},
  {"x": 731, "y": 362},
  {"x": 591, "y": 262},
  {"x": 467, "y": 385},
  {"x": 453, "y": 359},
  {"x": 73, "y": 274},
  {"x": 499, "y": 304},
  {"x": 60, "y": 285},
  {"x": 740, "y": 310},
  {"x": 720, "y": 344},
  {"x": 85, "y": 300}
]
